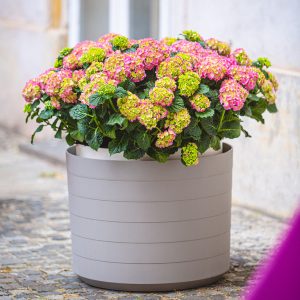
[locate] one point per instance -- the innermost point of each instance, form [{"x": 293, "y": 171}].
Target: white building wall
[{"x": 267, "y": 166}]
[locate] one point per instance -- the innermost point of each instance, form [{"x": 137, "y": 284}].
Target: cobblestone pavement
[{"x": 35, "y": 246}]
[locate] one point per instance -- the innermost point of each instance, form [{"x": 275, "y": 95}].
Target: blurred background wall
[{"x": 267, "y": 167}]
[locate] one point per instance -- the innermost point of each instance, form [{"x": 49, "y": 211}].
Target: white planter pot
[{"x": 146, "y": 226}]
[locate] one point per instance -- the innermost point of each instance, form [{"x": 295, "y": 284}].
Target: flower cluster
[
  {"x": 150, "y": 114},
  {"x": 150, "y": 96},
  {"x": 192, "y": 36},
  {"x": 173, "y": 67},
  {"x": 232, "y": 95},
  {"x": 166, "y": 82},
  {"x": 241, "y": 57},
  {"x": 165, "y": 139},
  {"x": 199, "y": 102},
  {"x": 213, "y": 67},
  {"x": 221, "y": 47},
  {"x": 189, "y": 155},
  {"x": 188, "y": 83},
  {"x": 178, "y": 121},
  {"x": 31, "y": 91},
  {"x": 161, "y": 96},
  {"x": 243, "y": 75}
]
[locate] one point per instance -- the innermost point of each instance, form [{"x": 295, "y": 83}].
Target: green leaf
[
  {"x": 128, "y": 85},
  {"x": 45, "y": 97},
  {"x": 77, "y": 135},
  {"x": 35, "y": 104},
  {"x": 39, "y": 129},
  {"x": 70, "y": 141},
  {"x": 252, "y": 97},
  {"x": 27, "y": 108},
  {"x": 109, "y": 131},
  {"x": 78, "y": 111},
  {"x": 94, "y": 139},
  {"x": 272, "y": 108},
  {"x": 209, "y": 126},
  {"x": 116, "y": 119},
  {"x": 96, "y": 99},
  {"x": 230, "y": 129},
  {"x": 246, "y": 133},
  {"x": 215, "y": 143},
  {"x": 158, "y": 155},
  {"x": 206, "y": 114},
  {"x": 82, "y": 126},
  {"x": 203, "y": 143},
  {"x": 143, "y": 140},
  {"x": 257, "y": 109},
  {"x": 132, "y": 48},
  {"x": 177, "y": 104},
  {"x": 193, "y": 131},
  {"x": 136, "y": 153},
  {"x": 118, "y": 145},
  {"x": 46, "y": 114},
  {"x": 58, "y": 134},
  {"x": 120, "y": 92},
  {"x": 203, "y": 89}
]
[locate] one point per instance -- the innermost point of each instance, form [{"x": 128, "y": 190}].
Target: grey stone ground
[{"x": 35, "y": 239}]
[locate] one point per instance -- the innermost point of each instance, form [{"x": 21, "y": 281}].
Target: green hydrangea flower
[
  {"x": 129, "y": 106},
  {"x": 169, "y": 40},
  {"x": 93, "y": 54},
  {"x": 94, "y": 68},
  {"x": 264, "y": 62},
  {"x": 192, "y": 36},
  {"x": 188, "y": 83},
  {"x": 178, "y": 121},
  {"x": 189, "y": 155},
  {"x": 167, "y": 83},
  {"x": 150, "y": 114},
  {"x": 161, "y": 96},
  {"x": 174, "y": 66},
  {"x": 48, "y": 105},
  {"x": 62, "y": 53},
  {"x": 82, "y": 83},
  {"x": 273, "y": 80},
  {"x": 268, "y": 91},
  {"x": 121, "y": 42},
  {"x": 221, "y": 47},
  {"x": 199, "y": 102},
  {"x": 107, "y": 90}
]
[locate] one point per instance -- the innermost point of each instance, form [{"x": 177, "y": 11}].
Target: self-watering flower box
[{"x": 149, "y": 178}]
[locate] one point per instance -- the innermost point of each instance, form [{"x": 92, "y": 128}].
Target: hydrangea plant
[{"x": 151, "y": 96}]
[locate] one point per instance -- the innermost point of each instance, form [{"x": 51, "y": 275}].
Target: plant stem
[
  {"x": 112, "y": 105},
  {"x": 97, "y": 122},
  {"x": 221, "y": 120}
]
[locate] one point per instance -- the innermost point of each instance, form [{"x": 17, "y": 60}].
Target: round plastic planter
[{"x": 146, "y": 226}]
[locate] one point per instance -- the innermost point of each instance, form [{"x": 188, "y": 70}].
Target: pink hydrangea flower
[
  {"x": 77, "y": 75},
  {"x": 165, "y": 139},
  {"x": 187, "y": 47},
  {"x": 31, "y": 91},
  {"x": 53, "y": 84},
  {"x": 232, "y": 95},
  {"x": 114, "y": 67},
  {"x": 243, "y": 75},
  {"x": 71, "y": 62},
  {"x": 134, "y": 67},
  {"x": 152, "y": 52},
  {"x": 43, "y": 78},
  {"x": 213, "y": 67}
]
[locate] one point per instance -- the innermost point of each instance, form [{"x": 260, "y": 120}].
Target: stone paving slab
[{"x": 35, "y": 247}]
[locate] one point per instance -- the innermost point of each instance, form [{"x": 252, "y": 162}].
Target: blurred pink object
[{"x": 279, "y": 277}]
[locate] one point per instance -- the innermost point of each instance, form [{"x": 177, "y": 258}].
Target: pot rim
[{"x": 71, "y": 154}]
